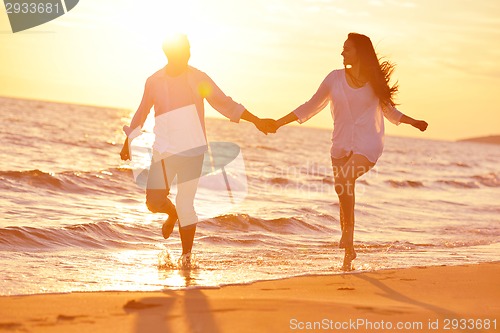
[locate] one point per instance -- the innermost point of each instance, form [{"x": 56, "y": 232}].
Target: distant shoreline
[{"x": 492, "y": 139}]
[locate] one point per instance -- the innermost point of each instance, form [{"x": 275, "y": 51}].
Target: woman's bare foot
[{"x": 349, "y": 256}]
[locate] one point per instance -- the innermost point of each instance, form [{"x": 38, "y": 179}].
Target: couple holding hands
[{"x": 359, "y": 96}]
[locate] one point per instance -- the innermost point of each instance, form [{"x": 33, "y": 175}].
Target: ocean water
[{"x": 72, "y": 217}]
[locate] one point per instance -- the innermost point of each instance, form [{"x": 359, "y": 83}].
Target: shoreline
[
  {"x": 426, "y": 295},
  {"x": 242, "y": 284}
]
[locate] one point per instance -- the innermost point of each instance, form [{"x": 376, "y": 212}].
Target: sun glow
[
  {"x": 270, "y": 56},
  {"x": 154, "y": 20}
]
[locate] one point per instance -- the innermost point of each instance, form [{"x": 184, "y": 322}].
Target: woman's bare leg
[
  {"x": 342, "y": 227},
  {"x": 337, "y": 164},
  {"x": 355, "y": 167}
]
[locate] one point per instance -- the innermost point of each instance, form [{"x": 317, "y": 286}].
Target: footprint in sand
[
  {"x": 134, "y": 305},
  {"x": 10, "y": 326}
]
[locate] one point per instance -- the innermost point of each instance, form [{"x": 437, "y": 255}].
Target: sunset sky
[{"x": 270, "y": 55}]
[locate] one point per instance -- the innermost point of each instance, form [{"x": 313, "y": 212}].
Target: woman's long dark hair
[{"x": 378, "y": 74}]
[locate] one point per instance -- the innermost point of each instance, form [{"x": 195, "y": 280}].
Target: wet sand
[{"x": 425, "y": 299}]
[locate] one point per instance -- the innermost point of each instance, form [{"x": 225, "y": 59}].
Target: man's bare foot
[{"x": 168, "y": 226}]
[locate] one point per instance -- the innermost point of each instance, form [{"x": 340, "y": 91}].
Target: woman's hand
[
  {"x": 420, "y": 124},
  {"x": 266, "y": 125}
]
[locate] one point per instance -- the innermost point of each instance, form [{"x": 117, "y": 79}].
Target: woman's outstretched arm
[
  {"x": 396, "y": 117},
  {"x": 310, "y": 108}
]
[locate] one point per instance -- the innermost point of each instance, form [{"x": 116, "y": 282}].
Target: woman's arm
[
  {"x": 420, "y": 124},
  {"x": 317, "y": 102},
  {"x": 396, "y": 117},
  {"x": 289, "y": 118},
  {"x": 310, "y": 108}
]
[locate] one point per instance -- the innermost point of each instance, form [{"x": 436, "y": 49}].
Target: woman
[{"x": 360, "y": 96}]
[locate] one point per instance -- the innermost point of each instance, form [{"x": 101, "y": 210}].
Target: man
[{"x": 177, "y": 93}]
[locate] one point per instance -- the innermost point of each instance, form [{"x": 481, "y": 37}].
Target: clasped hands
[{"x": 267, "y": 125}]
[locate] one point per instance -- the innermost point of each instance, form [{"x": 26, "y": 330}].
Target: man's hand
[
  {"x": 264, "y": 125},
  {"x": 125, "y": 153},
  {"x": 267, "y": 125}
]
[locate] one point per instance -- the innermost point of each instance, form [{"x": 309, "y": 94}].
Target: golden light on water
[
  {"x": 177, "y": 279},
  {"x": 146, "y": 274}
]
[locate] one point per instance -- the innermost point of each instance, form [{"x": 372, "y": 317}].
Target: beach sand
[{"x": 427, "y": 295}]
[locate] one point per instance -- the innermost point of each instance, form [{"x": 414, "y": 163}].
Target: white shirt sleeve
[
  {"x": 219, "y": 101},
  {"x": 317, "y": 102},
  {"x": 392, "y": 114}
]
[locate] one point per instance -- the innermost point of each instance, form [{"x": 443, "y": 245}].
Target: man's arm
[
  {"x": 137, "y": 122},
  {"x": 229, "y": 108}
]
